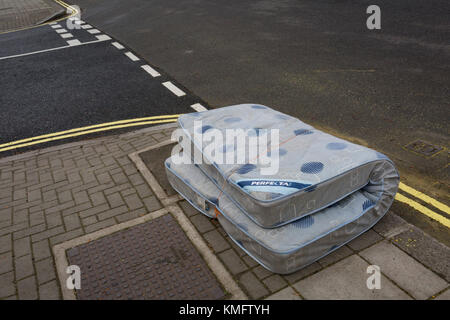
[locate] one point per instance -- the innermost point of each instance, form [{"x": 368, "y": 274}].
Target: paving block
[
  {"x": 232, "y": 261},
  {"x": 7, "y": 287},
  {"x": 5, "y": 243},
  {"x": 53, "y": 220},
  {"x": 302, "y": 273},
  {"x": 346, "y": 280},
  {"x": 187, "y": 208},
  {"x": 262, "y": 272},
  {"x": 115, "y": 200},
  {"x": 49, "y": 291},
  {"x": 405, "y": 271},
  {"x": 45, "y": 270},
  {"x": 99, "y": 225},
  {"x": 253, "y": 286},
  {"x": 66, "y": 236},
  {"x": 41, "y": 250},
  {"x": 202, "y": 223},
  {"x": 133, "y": 202},
  {"x": 216, "y": 241},
  {"x": 285, "y": 294},
  {"x": 98, "y": 198},
  {"x": 275, "y": 283},
  {"x": 152, "y": 204},
  {"x": 444, "y": 296},
  {"x": 365, "y": 240},
  {"x": 72, "y": 222},
  {"x": 250, "y": 261},
  {"x": 27, "y": 289},
  {"x": 335, "y": 256},
  {"x": 23, "y": 266},
  {"x": 22, "y": 247},
  {"x": 6, "y": 262},
  {"x": 390, "y": 225}
]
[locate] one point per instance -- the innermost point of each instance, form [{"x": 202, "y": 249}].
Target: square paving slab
[{"x": 153, "y": 260}]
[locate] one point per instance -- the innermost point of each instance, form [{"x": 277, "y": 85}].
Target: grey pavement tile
[
  {"x": 216, "y": 241},
  {"x": 425, "y": 249},
  {"x": 72, "y": 222},
  {"x": 99, "y": 225},
  {"x": 45, "y": 270},
  {"x": 390, "y": 225},
  {"x": 335, "y": 256},
  {"x": 344, "y": 280},
  {"x": 7, "y": 287},
  {"x": 250, "y": 261},
  {"x": 444, "y": 296},
  {"x": 410, "y": 275},
  {"x": 41, "y": 250},
  {"x": 23, "y": 266},
  {"x": 27, "y": 289},
  {"x": 232, "y": 261},
  {"x": 202, "y": 223},
  {"x": 262, "y": 272},
  {"x": 365, "y": 240},
  {"x": 275, "y": 283},
  {"x": 6, "y": 262},
  {"x": 302, "y": 273},
  {"x": 285, "y": 294},
  {"x": 253, "y": 286},
  {"x": 5, "y": 243},
  {"x": 22, "y": 247},
  {"x": 187, "y": 208},
  {"x": 49, "y": 291},
  {"x": 133, "y": 202},
  {"x": 152, "y": 204}
]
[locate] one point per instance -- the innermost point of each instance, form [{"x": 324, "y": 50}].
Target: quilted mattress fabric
[
  {"x": 295, "y": 245},
  {"x": 315, "y": 169}
]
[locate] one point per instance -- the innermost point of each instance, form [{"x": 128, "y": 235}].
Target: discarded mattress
[
  {"x": 325, "y": 192},
  {"x": 295, "y": 245},
  {"x": 315, "y": 171}
]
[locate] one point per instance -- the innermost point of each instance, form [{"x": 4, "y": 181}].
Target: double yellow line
[
  {"x": 86, "y": 130},
  {"x": 173, "y": 118},
  {"x": 421, "y": 208}
]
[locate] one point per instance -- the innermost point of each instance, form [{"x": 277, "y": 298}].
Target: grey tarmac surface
[
  {"x": 315, "y": 60},
  {"x": 51, "y": 90}
]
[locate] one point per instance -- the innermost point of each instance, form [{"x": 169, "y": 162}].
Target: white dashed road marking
[
  {"x": 118, "y": 45},
  {"x": 66, "y": 35},
  {"x": 93, "y": 31},
  {"x": 74, "y": 42},
  {"x": 131, "y": 56},
  {"x": 56, "y": 26},
  {"x": 62, "y": 30},
  {"x": 86, "y": 26},
  {"x": 198, "y": 107},
  {"x": 150, "y": 70},
  {"x": 103, "y": 37},
  {"x": 175, "y": 90}
]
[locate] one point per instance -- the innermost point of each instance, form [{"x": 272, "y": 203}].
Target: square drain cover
[
  {"x": 424, "y": 148},
  {"x": 153, "y": 260}
]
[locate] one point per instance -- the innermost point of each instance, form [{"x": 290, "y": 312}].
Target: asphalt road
[
  {"x": 48, "y": 86},
  {"x": 315, "y": 60}
]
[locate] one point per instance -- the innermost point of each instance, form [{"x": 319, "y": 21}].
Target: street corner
[{"x": 147, "y": 154}]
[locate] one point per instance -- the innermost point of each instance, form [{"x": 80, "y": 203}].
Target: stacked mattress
[{"x": 303, "y": 195}]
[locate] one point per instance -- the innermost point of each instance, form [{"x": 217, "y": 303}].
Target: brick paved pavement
[{"x": 61, "y": 193}]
